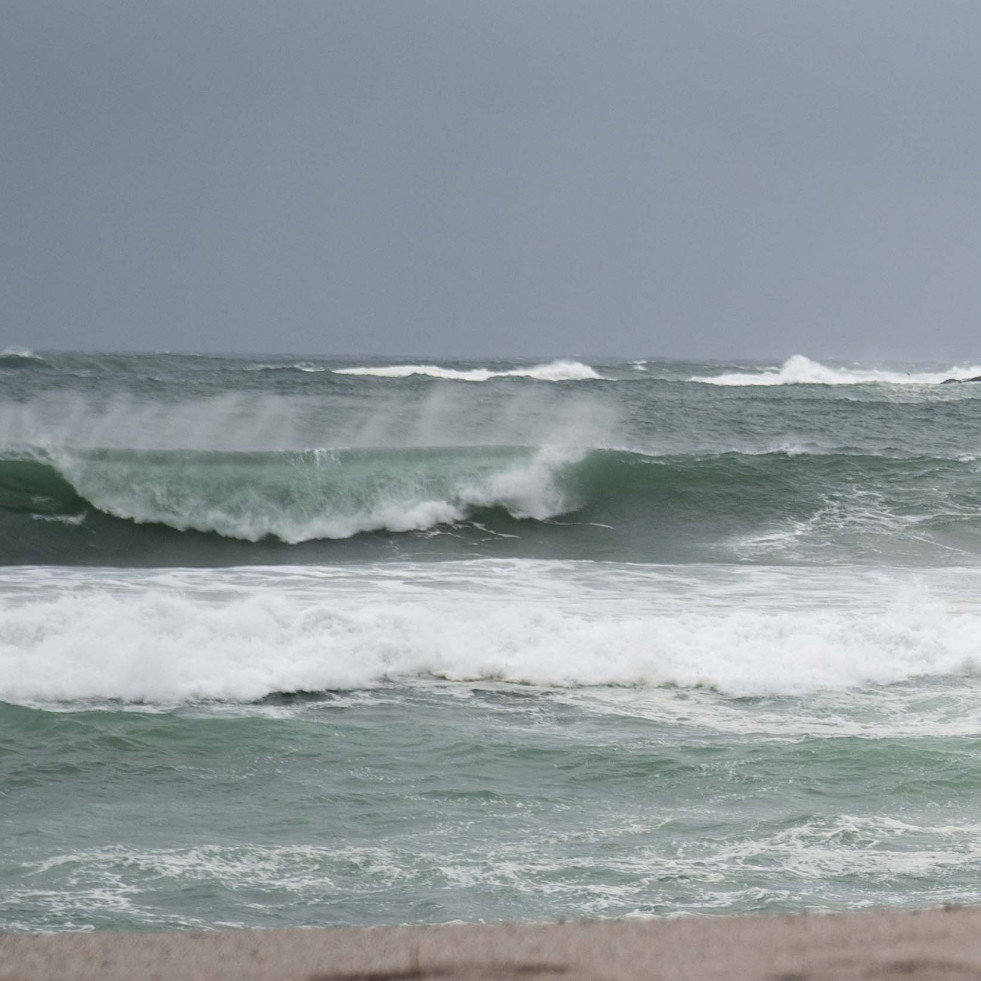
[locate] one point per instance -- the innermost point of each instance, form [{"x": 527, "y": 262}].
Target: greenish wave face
[
  {"x": 561, "y": 501},
  {"x": 36, "y": 487}
]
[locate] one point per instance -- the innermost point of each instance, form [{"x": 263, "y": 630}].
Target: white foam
[
  {"x": 528, "y": 490},
  {"x": 240, "y": 635},
  {"x": 823, "y": 858},
  {"x": 632, "y": 864},
  {"x": 554, "y": 371},
  {"x": 799, "y": 370}
]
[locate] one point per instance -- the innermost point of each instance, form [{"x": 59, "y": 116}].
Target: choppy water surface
[{"x": 294, "y": 641}]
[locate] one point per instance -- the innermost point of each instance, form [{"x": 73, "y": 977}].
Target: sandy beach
[{"x": 932, "y": 945}]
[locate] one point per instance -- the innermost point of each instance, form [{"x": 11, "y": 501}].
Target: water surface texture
[{"x": 296, "y": 641}]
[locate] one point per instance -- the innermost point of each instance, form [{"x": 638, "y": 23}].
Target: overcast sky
[{"x": 732, "y": 178}]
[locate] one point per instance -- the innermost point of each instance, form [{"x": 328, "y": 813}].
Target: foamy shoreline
[{"x": 933, "y": 944}]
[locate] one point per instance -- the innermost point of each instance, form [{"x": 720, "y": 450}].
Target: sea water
[{"x": 303, "y": 641}]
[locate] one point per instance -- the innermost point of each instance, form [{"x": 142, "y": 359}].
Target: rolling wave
[
  {"x": 547, "y": 501},
  {"x": 293, "y": 496},
  {"x": 799, "y": 370}
]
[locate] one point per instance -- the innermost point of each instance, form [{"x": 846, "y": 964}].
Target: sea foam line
[{"x": 166, "y": 644}]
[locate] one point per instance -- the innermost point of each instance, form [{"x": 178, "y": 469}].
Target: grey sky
[{"x": 477, "y": 178}]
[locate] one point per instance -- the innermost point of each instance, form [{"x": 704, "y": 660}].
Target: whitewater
[{"x": 294, "y": 640}]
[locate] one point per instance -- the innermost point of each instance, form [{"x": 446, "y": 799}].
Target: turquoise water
[{"x": 290, "y": 642}]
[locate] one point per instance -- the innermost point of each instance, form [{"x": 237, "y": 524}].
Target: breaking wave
[
  {"x": 555, "y": 371},
  {"x": 799, "y": 370},
  {"x": 292, "y": 496},
  {"x": 559, "y": 501},
  {"x": 245, "y": 637}
]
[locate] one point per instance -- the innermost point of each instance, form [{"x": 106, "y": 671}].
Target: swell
[
  {"x": 20, "y": 358},
  {"x": 86, "y": 505},
  {"x": 549, "y": 501}
]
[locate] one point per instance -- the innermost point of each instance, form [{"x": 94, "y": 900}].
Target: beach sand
[{"x": 927, "y": 946}]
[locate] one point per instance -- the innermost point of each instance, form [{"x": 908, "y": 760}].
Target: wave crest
[
  {"x": 292, "y": 496},
  {"x": 554, "y": 371},
  {"x": 20, "y": 357},
  {"x": 800, "y": 370}
]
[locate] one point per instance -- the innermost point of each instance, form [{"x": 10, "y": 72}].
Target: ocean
[{"x": 306, "y": 641}]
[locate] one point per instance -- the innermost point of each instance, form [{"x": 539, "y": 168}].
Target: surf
[
  {"x": 551, "y": 500},
  {"x": 245, "y": 634}
]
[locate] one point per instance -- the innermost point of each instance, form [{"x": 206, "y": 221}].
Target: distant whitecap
[
  {"x": 800, "y": 370},
  {"x": 553, "y": 371}
]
